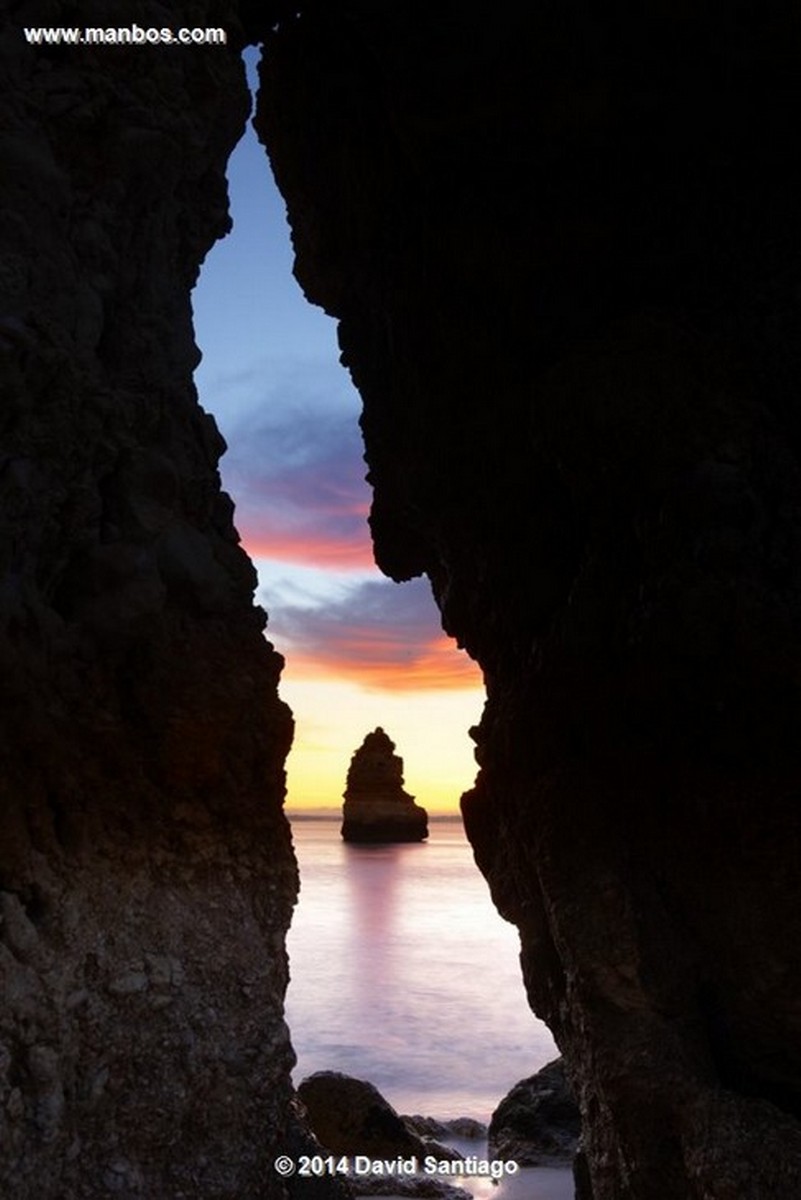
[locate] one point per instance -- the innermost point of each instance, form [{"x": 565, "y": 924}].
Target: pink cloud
[
  {"x": 263, "y": 539},
  {"x": 381, "y": 634},
  {"x": 301, "y": 497}
]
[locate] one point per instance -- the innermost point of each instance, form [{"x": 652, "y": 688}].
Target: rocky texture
[
  {"x": 461, "y": 1127},
  {"x": 538, "y": 1122},
  {"x": 146, "y": 870},
  {"x": 563, "y": 246},
  {"x": 350, "y": 1116},
  {"x": 376, "y": 807}
]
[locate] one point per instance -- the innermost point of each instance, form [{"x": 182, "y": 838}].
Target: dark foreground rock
[
  {"x": 350, "y": 1116},
  {"x": 565, "y": 255},
  {"x": 538, "y": 1122},
  {"x": 147, "y": 877},
  {"x": 377, "y": 809}
]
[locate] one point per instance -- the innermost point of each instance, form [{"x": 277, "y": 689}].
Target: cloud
[
  {"x": 264, "y": 539},
  {"x": 297, "y": 477},
  {"x": 382, "y": 635}
]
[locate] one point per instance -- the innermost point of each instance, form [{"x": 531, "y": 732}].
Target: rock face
[
  {"x": 376, "y": 808},
  {"x": 563, "y": 247},
  {"x": 350, "y": 1116},
  {"x": 538, "y": 1122},
  {"x": 146, "y": 870}
]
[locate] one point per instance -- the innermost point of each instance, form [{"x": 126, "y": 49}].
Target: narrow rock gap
[{"x": 267, "y": 317}]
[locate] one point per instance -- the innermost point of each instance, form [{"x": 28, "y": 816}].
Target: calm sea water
[{"x": 404, "y": 974}]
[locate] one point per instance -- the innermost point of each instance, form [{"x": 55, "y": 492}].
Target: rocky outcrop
[
  {"x": 563, "y": 248},
  {"x": 376, "y": 808},
  {"x": 146, "y": 870},
  {"x": 538, "y": 1122},
  {"x": 350, "y": 1116}
]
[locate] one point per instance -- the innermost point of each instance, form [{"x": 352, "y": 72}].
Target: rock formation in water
[
  {"x": 563, "y": 245},
  {"x": 376, "y": 807}
]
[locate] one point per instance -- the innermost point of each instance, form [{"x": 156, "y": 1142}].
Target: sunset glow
[
  {"x": 429, "y": 735},
  {"x": 438, "y": 666},
  {"x": 360, "y": 650},
  {"x": 284, "y": 545}
]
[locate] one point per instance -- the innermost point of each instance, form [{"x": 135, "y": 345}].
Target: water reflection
[
  {"x": 384, "y": 990},
  {"x": 404, "y": 974}
]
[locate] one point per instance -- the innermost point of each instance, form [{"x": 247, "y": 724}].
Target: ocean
[{"x": 404, "y": 974}]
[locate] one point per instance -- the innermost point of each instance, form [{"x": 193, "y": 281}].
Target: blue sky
[{"x": 361, "y": 651}]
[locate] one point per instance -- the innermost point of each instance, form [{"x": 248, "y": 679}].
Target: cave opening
[
  {"x": 294, "y": 466},
  {"x": 361, "y": 650}
]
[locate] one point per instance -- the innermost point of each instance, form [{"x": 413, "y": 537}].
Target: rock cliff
[
  {"x": 146, "y": 869},
  {"x": 563, "y": 246},
  {"x": 376, "y": 807}
]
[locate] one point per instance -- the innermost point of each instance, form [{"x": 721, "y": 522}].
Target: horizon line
[{"x": 323, "y": 813}]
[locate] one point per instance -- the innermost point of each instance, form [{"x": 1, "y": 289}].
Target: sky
[{"x": 360, "y": 650}]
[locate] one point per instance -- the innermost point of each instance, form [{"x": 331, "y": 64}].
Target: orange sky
[
  {"x": 360, "y": 650},
  {"x": 433, "y": 666},
  {"x": 343, "y": 678},
  {"x": 265, "y": 538},
  {"x": 429, "y": 730}
]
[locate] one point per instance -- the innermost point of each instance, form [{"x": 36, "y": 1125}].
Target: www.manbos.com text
[{"x": 126, "y": 35}]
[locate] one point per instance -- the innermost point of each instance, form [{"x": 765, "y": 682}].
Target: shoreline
[{"x": 547, "y": 1182}]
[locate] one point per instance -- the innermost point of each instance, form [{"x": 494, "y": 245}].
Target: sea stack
[{"x": 376, "y": 808}]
